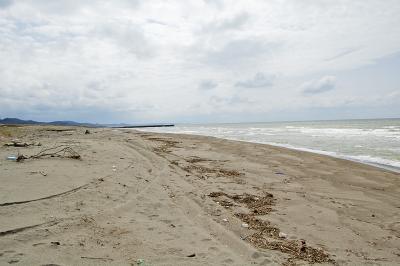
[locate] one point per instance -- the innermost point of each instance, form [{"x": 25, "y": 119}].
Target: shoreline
[
  {"x": 178, "y": 199},
  {"x": 351, "y": 158}
]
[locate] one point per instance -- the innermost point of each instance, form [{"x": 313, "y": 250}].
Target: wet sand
[{"x": 190, "y": 200}]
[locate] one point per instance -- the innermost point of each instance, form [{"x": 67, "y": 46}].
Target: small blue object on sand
[{"x": 12, "y": 158}]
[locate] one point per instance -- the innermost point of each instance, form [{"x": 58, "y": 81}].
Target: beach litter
[
  {"x": 12, "y": 158},
  {"x": 191, "y": 255},
  {"x": 245, "y": 225},
  {"x": 140, "y": 262},
  {"x": 282, "y": 235}
]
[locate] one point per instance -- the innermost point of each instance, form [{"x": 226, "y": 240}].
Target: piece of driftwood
[
  {"x": 59, "y": 129},
  {"x": 21, "y": 144},
  {"x": 61, "y": 151}
]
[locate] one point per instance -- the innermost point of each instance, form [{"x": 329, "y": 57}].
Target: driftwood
[
  {"x": 21, "y": 144},
  {"x": 97, "y": 258},
  {"x": 61, "y": 151},
  {"x": 59, "y": 129}
]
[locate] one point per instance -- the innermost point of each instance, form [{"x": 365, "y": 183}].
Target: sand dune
[{"x": 191, "y": 200}]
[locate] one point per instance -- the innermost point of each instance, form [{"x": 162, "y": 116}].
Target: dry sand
[{"x": 190, "y": 200}]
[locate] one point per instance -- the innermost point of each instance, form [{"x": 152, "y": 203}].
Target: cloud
[
  {"x": 240, "y": 52},
  {"x": 69, "y": 8},
  {"x": 128, "y": 36},
  {"x": 106, "y": 57},
  {"x": 5, "y": 3},
  {"x": 231, "y": 23},
  {"x": 228, "y": 102},
  {"x": 344, "y": 52},
  {"x": 207, "y": 85},
  {"x": 155, "y": 21},
  {"x": 321, "y": 85},
  {"x": 216, "y": 3},
  {"x": 260, "y": 80}
]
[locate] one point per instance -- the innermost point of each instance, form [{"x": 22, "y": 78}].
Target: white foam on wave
[
  {"x": 257, "y": 134},
  {"x": 367, "y": 159},
  {"x": 392, "y": 132}
]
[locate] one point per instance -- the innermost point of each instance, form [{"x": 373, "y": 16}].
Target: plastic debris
[
  {"x": 225, "y": 220},
  {"x": 245, "y": 225},
  {"x": 282, "y": 235},
  {"x": 12, "y": 158},
  {"x": 140, "y": 262}
]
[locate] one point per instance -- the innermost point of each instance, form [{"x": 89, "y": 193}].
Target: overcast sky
[{"x": 199, "y": 61}]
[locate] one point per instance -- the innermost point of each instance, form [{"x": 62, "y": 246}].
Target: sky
[{"x": 199, "y": 61}]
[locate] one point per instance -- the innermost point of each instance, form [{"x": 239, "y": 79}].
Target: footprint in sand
[
  {"x": 213, "y": 249},
  {"x": 228, "y": 261},
  {"x": 11, "y": 257}
]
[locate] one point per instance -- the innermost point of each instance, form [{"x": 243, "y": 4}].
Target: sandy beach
[{"x": 136, "y": 198}]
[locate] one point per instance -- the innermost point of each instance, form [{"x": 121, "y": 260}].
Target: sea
[{"x": 372, "y": 141}]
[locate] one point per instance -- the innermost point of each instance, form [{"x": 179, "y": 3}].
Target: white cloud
[
  {"x": 157, "y": 60},
  {"x": 5, "y": 3},
  {"x": 321, "y": 85},
  {"x": 231, "y": 23},
  {"x": 207, "y": 85},
  {"x": 260, "y": 80}
]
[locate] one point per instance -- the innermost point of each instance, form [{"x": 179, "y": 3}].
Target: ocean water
[{"x": 375, "y": 141}]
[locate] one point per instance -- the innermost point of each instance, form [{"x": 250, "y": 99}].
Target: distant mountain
[{"x": 17, "y": 121}]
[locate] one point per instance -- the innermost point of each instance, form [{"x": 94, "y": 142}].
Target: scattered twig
[
  {"x": 42, "y": 173},
  {"x": 96, "y": 258}
]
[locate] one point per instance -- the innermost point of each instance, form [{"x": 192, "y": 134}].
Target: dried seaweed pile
[
  {"x": 266, "y": 235},
  {"x": 197, "y": 160},
  {"x": 298, "y": 250},
  {"x": 166, "y": 145},
  {"x": 219, "y": 172},
  {"x": 256, "y": 205}
]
